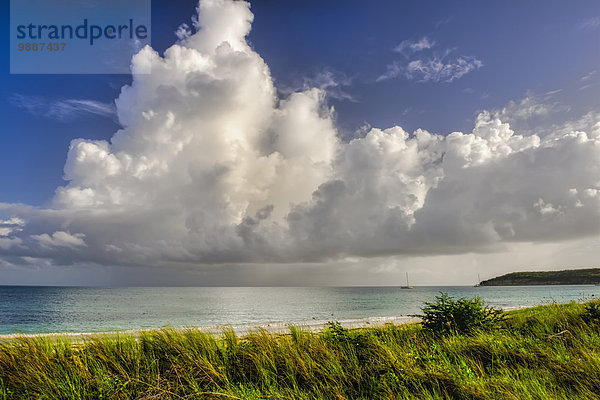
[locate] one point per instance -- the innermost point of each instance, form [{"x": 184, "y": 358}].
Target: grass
[{"x": 546, "y": 352}]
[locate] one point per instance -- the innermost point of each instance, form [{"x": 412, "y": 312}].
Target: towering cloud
[{"x": 212, "y": 167}]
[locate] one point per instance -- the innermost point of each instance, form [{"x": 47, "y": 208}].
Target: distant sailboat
[
  {"x": 478, "y": 284},
  {"x": 407, "y": 285}
]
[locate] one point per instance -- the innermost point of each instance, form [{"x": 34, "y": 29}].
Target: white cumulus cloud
[{"x": 212, "y": 166}]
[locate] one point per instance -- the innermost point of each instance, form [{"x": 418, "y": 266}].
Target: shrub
[
  {"x": 592, "y": 313},
  {"x": 449, "y": 315},
  {"x": 336, "y": 333}
]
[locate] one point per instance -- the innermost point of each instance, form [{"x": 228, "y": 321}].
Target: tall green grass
[{"x": 547, "y": 352}]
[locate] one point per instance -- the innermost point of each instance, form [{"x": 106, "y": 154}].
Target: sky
[{"x": 311, "y": 143}]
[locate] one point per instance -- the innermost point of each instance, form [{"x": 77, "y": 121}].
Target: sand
[{"x": 240, "y": 330}]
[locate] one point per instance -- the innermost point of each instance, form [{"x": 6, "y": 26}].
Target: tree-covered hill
[{"x": 589, "y": 276}]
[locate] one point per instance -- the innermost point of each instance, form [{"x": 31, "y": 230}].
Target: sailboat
[
  {"x": 407, "y": 285},
  {"x": 478, "y": 284}
]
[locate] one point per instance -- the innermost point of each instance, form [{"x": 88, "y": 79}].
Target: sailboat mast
[{"x": 407, "y": 284}]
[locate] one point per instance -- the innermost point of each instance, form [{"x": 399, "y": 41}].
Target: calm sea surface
[{"x": 69, "y": 309}]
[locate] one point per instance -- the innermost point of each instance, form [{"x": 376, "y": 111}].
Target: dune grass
[{"x": 547, "y": 352}]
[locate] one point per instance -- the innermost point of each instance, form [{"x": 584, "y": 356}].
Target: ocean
[{"x": 33, "y": 310}]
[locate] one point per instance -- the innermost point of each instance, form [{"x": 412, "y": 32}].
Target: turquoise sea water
[{"x": 72, "y": 309}]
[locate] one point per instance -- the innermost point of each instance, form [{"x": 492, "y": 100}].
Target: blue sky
[
  {"x": 525, "y": 47},
  {"x": 339, "y": 142}
]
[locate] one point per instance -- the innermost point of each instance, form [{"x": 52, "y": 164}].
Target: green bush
[
  {"x": 592, "y": 313},
  {"x": 337, "y": 335},
  {"x": 449, "y": 315}
]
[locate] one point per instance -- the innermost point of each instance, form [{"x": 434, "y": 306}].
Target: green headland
[{"x": 590, "y": 276}]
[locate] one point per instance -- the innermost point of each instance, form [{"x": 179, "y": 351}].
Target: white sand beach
[{"x": 241, "y": 330}]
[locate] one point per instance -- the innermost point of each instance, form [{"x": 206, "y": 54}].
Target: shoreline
[{"x": 240, "y": 330}]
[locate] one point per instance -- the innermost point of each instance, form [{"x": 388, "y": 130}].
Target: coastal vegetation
[
  {"x": 449, "y": 315},
  {"x": 590, "y": 276},
  {"x": 545, "y": 352}
]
